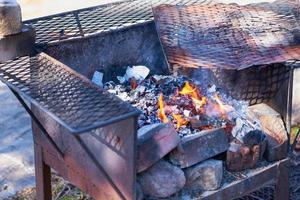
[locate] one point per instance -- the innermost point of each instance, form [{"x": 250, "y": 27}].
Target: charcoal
[
  {"x": 254, "y": 137},
  {"x": 145, "y": 97}
]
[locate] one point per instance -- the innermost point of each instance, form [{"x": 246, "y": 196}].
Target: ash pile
[{"x": 191, "y": 132}]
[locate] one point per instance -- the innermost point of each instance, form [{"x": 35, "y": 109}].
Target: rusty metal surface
[
  {"x": 225, "y": 35},
  {"x": 96, "y": 161},
  {"x": 69, "y": 97}
]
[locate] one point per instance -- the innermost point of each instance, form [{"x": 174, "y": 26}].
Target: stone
[
  {"x": 274, "y": 128},
  {"x": 241, "y": 157},
  {"x": 162, "y": 180},
  {"x": 206, "y": 176},
  {"x": 154, "y": 142},
  {"x": 198, "y": 147},
  {"x": 10, "y": 18}
]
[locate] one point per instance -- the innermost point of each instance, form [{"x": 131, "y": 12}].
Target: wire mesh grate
[
  {"x": 225, "y": 35},
  {"x": 70, "y": 98},
  {"x": 256, "y": 84},
  {"x": 81, "y": 23}
]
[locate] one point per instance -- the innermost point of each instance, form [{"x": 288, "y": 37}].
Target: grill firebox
[{"x": 89, "y": 136}]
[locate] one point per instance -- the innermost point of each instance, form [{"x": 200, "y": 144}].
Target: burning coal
[{"x": 189, "y": 106}]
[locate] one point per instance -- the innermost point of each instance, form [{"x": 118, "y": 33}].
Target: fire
[
  {"x": 189, "y": 90},
  {"x": 211, "y": 106},
  {"x": 180, "y": 121},
  {"x": 194, "y": 94},
  {"x": 161, "y": 112},
  {"x": 199, "y": 103},
  {"x": 223, "y": 108}
]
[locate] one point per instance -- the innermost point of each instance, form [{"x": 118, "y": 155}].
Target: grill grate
[
  {"x": 265, "y": 193},
  {"x": 255, "y": 85},
  {"x": 70, "y": 98},
  {"x": 225, "y": 35},
  {"x": 81, "y": 23}
]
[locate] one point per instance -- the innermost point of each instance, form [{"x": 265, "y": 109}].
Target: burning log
[
  {"x": 206, "y": 176},
  {"x": 198, "y": 147},
  {"x": 154, "y": 142},
  {"x": 162, "y": 180},
  {"x": 274, "y": 128}
]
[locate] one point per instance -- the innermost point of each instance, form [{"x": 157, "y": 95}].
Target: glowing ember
[
  {"x": 189, "y": 107},
  {"x": 180, "y": 121},
  {"x": 161, "y": 112},
  {"x": 133, "y": 83},
  {"x": 211, "y": 106}
]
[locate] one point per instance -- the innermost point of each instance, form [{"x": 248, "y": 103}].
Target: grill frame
[
  {"x": 25, "y": 75},
  {"x": 46, "y": 155}
]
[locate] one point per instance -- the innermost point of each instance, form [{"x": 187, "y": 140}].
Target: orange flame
[
  {"x": 199, "y": 103},
  {"x": 193, "y": 92},
  {"x": 180, "y": 121},
  {"x": 161, "y": 112},
  {"x": 189, "y": 90},
  {"x": 220, "y": 103},
  {"x": 224, "y": 109}
]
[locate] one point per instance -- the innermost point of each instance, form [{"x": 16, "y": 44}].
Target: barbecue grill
[{"x": 88, "y": 135}]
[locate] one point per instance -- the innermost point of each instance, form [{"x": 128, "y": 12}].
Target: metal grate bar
[
  {"x": 225, "y": 36},
  {"x": 85, "y": 22},
  {"x": 68, "y": 97},
  {"x": 94, "y": 20}
]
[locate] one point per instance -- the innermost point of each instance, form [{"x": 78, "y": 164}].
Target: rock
[
  {"x": 198, "y": 147},
  {"x": 162, "y": 180},
  {"x": 205, "y": 176},
  {"x": 10, "y": 18},
  {"x": 274, "y": 128},
  {"x": 240, "y": 157},
  {"x": 154, "y": 142}
]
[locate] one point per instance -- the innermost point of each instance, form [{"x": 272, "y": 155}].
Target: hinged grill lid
[{"x": 225, "y": 35}]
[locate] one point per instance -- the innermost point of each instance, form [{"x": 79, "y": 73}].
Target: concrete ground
[{"x": 16, "y": 145}]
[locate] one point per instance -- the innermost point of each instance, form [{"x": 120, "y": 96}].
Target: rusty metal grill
[
  {"x": 81, "y": 23},
  {"x": 255, "y": 85},
  {"x": 68, "y": 97},
  {"x": 225, "y": 35}
]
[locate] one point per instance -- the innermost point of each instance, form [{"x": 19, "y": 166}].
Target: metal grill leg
[
  {"x": 282, "y": 182},
  {"x": 42, "y": 175}
]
